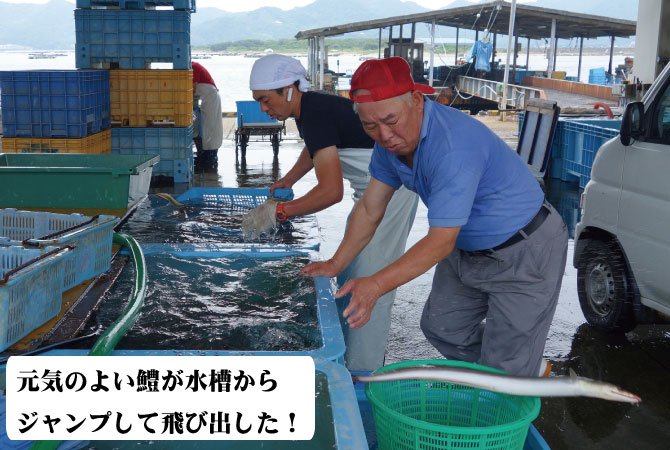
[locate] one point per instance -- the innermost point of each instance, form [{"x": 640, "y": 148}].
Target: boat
[{"x": 42, "y": 55}]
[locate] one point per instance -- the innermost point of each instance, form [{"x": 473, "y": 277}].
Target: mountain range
[{"x": 51, "y": 26}]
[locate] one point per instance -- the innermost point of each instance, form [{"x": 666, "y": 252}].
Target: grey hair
[{"x": 407, "y": 97}]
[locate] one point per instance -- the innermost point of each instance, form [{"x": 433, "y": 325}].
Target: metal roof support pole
[
  {"x": 611, "y": 55},
  {"x": 310, "y": 60},
  {"x": 315, "y": 50},
  {"x": 315, "y": 58},
  {"x": 411, "y": 49},
  {"x": 400, "y": 45},
  {"x": 322, "y": 54},
  {"x": 456, "y": 52},
  {"x": 552, "y": 41},
  {"x": 528, "y": 54},
  {"x": 510, "y": 36},
  {"x": 516, "y": 45},
  {"x": 555, "y": 53},
  {"x": 493, "y": 53},
  {"x": 579, "y": 64},
  {"x": 309, "y": 50},
  {"x": 379, "y": 46},
  {"x": 390, "y": 38},
  {"x": 432, "y": 52},
  {"x": 310, "y": 63}
]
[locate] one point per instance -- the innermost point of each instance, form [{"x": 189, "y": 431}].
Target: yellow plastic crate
[
  {"x": 97, "y": 143},
  {"x": 140, "y": 98}
]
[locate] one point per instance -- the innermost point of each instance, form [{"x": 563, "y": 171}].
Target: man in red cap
[{"x": 500, "y": 249}]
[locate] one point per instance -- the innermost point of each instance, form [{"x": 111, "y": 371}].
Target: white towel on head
[{"x": 277, "y": 71}]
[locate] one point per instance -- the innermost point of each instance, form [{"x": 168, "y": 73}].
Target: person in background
[
  {"x": 337, "y": 148},
  {"x": 210, "y": 129},
  {"x": 500, "y": 248}
]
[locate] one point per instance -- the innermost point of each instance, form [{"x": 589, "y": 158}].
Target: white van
[{"x": 622, "y": 243}]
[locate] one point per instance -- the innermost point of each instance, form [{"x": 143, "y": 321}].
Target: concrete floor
[{"x": 638, "y": 361}]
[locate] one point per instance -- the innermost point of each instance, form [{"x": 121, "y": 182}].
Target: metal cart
[{"x": 251, "y": 121}]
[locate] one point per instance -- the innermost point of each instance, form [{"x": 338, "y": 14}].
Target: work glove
[{"x": 261, "y": 219}]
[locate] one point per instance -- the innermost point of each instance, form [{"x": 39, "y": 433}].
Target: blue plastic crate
[
  {"x": 54, "y": 103},
  {"x": 186, "y": 5},
  {"x": 597, "y": 76},
  {"x": 250, "y": 112},
  {"x": 575, "y": 145},
  {"x": 233, "y": 198},
  {"x": 173, "y": 145},
  {"x": 180, "y": 170},
  {"x": 32, "y": 295},
  {"x": 519, "y": 74},
  {"x": 169, "y": 143},
  {"x": 90, "y": 237},
  {"x": 132, "y": 39},
  {"x": 577, "y": 142}
]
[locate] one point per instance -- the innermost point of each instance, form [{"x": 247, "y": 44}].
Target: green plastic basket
[{"x": 422, "y": 414}]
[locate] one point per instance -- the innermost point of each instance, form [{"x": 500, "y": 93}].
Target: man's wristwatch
[{"x": 280, "y": 215}]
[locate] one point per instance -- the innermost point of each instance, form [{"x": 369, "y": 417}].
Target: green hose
[{"x": 106, "y": 343}]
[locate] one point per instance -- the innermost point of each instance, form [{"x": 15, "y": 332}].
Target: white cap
[{"x": 277, "y": 71}]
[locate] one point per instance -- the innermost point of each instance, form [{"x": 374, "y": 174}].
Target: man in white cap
[{"x": 337, "y": 148}]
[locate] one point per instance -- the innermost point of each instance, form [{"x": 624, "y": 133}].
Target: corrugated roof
[{"x": 531, "y": 22}]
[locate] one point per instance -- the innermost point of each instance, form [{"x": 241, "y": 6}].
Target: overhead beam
[{"x": 528, "y": 19}]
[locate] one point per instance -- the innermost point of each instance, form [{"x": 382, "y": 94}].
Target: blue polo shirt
[{"x": 467, "y": 176}]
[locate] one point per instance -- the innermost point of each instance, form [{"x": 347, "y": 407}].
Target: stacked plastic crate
[
  {"x": 55, "y": 111},
  {"x": 151, "y": 109},
  {"x": 43, "y": 255},
  {"x": 576, "y": 143},
  {"x": 597, "y": 76}
]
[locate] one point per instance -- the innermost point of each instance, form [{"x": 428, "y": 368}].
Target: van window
[{"x": 660, "y": 125}]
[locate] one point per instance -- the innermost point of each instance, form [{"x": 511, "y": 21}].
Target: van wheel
[{"x": 604, "y": 289}]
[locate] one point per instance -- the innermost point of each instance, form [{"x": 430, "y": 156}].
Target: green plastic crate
[{"x": 74, "y": 180}]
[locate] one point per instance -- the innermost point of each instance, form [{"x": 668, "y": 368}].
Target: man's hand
[
  {"x": 281, "y": 183},
  {"x": 261, "y": 219},
  {"x": 321, "y": 269},
  {"x": 364, "y": 295}
]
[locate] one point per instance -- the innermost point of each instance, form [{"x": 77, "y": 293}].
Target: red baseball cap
[{"x": 384, "y": 78}]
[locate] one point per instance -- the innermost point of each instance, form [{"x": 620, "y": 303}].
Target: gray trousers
[
  {"x": 366, "y": 346},
  {"x": 514, "y": 289}
]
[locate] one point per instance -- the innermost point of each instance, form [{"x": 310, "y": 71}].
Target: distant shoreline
[
  {"x": 590, "y": 51},
  {"x": 587, "y": 51}
]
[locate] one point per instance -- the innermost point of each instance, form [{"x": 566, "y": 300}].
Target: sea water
[{"x": 236, "y": 303}]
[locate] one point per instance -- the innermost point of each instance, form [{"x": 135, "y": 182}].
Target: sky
[{"x": 249, "y": 5}]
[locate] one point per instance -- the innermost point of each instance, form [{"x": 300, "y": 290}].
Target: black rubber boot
[{"x": 206, "y": 159}]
